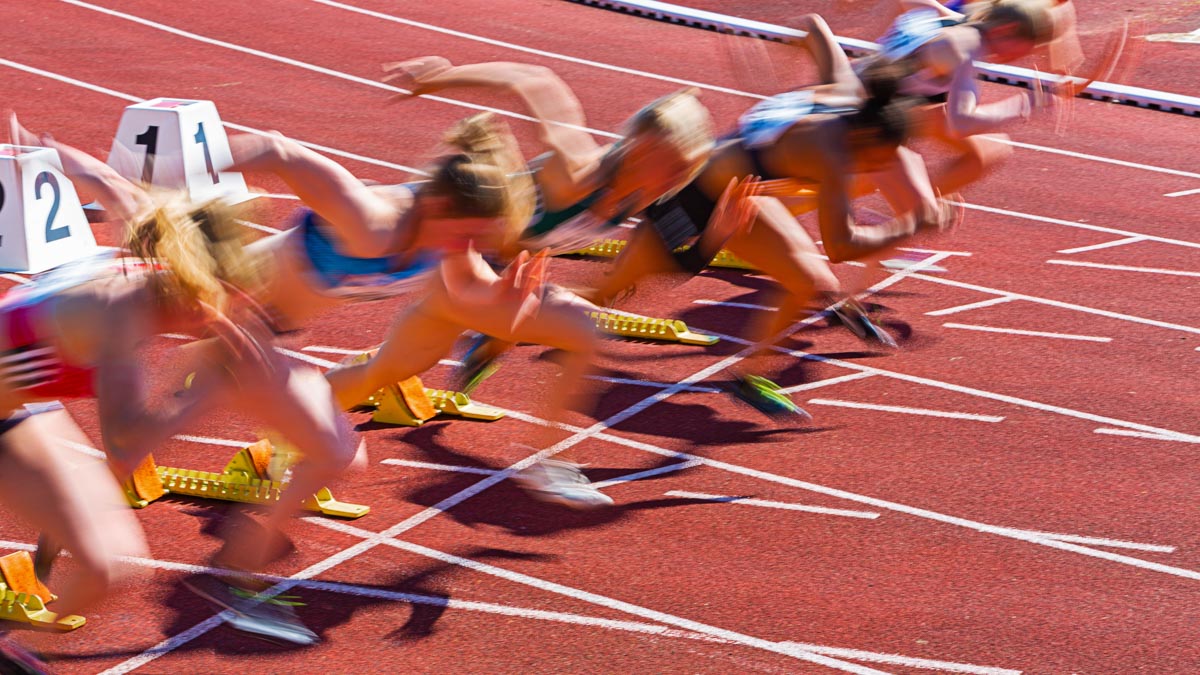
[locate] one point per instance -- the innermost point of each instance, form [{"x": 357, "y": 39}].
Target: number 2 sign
[{"x": 41, "y": 222}]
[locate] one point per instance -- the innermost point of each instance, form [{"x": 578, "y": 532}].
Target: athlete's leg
[
  {"x": 975, "y": 156},
  {"x": 644, "y": 255}
]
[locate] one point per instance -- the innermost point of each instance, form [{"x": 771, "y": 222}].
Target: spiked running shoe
[
  {"x": 764, "y": 395},
  {"x": 479, "y": 363},
  {"x": 561, "y": 483},
  {"x": 272, "y": 618},
  {"x": 855, "y": 318}
]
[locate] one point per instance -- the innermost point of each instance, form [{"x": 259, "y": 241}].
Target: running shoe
[
  {"x": 855, "y": 318},
  {"x": 479, "y": 363},
  {"x": 44, "y": 557},
  {"x": 17, "y": 660},
  {"x": 562, "y": 483},
  {"x": 764, "y": 395},
  {"x": 273, "y": 618}
]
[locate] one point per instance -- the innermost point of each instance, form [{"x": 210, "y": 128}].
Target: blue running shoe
[{"x": 765, "y": 396}]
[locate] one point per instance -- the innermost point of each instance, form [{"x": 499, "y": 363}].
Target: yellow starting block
[
  {"x": 23, "y": 597},
  {"x": 611, "y": 248},
  {"x": 245, "y": 479},
  {"x": 646, "y": 328},
  {"x": 410, "y": 403}
]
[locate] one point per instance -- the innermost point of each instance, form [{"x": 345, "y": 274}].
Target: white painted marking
[
  {"x": 177, "y": 336},
  {"x": 322, "y": 349},
  {"x": 906, "y": 661},
  {"x": 1142, "y": 434},
  {"x": 825, "y": 383},
  {"x": 1032, "y": 333},
  {"x": 83, "y": 449},
  {"x": 1081, "y": 226},
  {"x": 1110, "y": 543},
  {"x": 15, "y": 277},
  {"x": 596, "y": 599},
  {"x": 300, "y": 356},
  {"x": 648, "y": 383},
  {"x": 1124, "y": 268},
  {"x": 742, "y": 305},
  {"x": 261, "y": 228},
  {"x": 749, "y": 501},
  {"x": 1108, "y": 244},
  {"x": 965, "y": 254},
  {"x": 1057, "y": 303},
  {"x": 646, "y": 474},
  {"x": 207, "y": 440},
  {"x": 974, "y": 305},
  {"x": 440, "y": 467},
  {"x": 903, "y": 410},
  {"x": 1183, "y": 193},
  {"x": 276, "y": 195}
]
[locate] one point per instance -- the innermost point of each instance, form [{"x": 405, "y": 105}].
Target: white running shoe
[{"x": 562, "y": 483}]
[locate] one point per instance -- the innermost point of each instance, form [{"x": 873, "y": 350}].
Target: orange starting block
[{"x": 23, "y": 597}]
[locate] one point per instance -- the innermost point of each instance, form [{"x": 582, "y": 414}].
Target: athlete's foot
[
  {"x": 479, "y": 363},
  {"x": 855, "y": 318},
  {"x": 17, "y": 660},
  {"x": 43, "y": 559},
  {"x": 561, "y": 483},
  {"x": 273, "y": 618},
  {"x": 765, "y": 396}
]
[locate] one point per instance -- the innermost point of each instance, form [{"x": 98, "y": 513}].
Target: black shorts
[{"x": 680, "y": 219}]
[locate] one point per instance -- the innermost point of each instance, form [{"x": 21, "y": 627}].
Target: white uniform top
[{"x": 909, "y": 32}]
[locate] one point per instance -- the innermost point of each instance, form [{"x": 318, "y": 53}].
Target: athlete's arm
[
  {"x": 965, "y": 115},
  {"x": 942, "y": 10}
]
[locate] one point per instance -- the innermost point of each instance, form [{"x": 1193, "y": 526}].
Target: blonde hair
[
  {"x": 488, "y": 177},
  {"x": 680, "y": 121},
  {"x": 198, "y": 248},
  {"x": 1033, "y": 18}
]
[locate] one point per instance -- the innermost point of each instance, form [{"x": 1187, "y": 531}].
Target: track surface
[{"x": 931, "y": 553}]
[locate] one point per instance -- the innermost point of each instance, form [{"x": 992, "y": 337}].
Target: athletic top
[
  {"x": 763, "y": 124},
  {"x": 359, "y": 278},
  {"x": 567, "y": 229},
  {"x": 910, "y": 31}
]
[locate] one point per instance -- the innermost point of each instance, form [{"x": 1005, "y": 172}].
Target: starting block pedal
[
  {"x": 411, "y": 404},
  {"x": 42, "y": 224},
  {"x": 177, "y": 144},
  {"x": 23, "y": 597},
  {"x": 244, "y": 479},
  {"x": 611, "y": 248},
  {"x": 647, "y": 328}
]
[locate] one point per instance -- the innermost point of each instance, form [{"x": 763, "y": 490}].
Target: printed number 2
[
  {"x": 208, "y": 164},
  {"x": 52, "y": 233}
]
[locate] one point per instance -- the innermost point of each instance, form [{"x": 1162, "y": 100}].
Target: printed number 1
[
  {"x": 52, "y": 233},
  {"x": 148, "y": 138},
  {"x": 208, "y": 164}
]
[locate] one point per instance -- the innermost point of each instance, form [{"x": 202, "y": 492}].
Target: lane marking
[
  {"x": 750, "y": 501},
  {"x": 208, "y": 440},
  {"x": 261, "y": 228},
  {"x": 907, "y": 661},
  {"x": 1080, "y": 226},
  {"x": 300, "y": 356},
  {"x": 1057, "y": 303},
  {"x": 671, "y": 468},
  {"x": 1110, "y": 543},
  {"x": 1183, "y": 193},
  {"x": 826, "y": 382},
  {"x": 1142, "y": 434},
  {"x": 974, "y": 305},
  {"x": 1032, "y": 333},
  {"x": 15, "y": 277},
  {"x": 596, "y": 599},
  {"x": 276, "y": 195},
  {"x": 1108, "y": 244},
  {"x": 746, "y": 94},
  {"x": 742, "y": 305},
  {"x": 440, "y": 467},
  {"x": 1124, "y": 268},
  {"x": 904, "y": 410}
]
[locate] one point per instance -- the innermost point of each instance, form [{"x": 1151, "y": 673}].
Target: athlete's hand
[
  {"x": 414, "y": 74},
  {"x": 735, "y": 210}
]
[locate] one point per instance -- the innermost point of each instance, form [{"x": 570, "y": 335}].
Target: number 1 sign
[
  {"x": 41, "y": 222},
  {"x": 177, "y": 144}
]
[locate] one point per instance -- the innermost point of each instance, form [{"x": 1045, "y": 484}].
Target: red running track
[{"x": 922, "y": 552}]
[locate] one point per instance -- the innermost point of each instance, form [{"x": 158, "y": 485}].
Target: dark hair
[
  {"x": 884, "y": 111},
  {"x": 1031, "y": 17}
]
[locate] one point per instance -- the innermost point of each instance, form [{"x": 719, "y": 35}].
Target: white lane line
[
  {"x": 208, "y": 440},
  {"x": 308, "y": 66},
  {"x": 83, "y": 449},
  {"x": 924, "y": 412},
  {"x": 537, "y": 52},
  {"x": 750, "y": 501},
  {"x": 14, "y": 277},
  {"x": 1057, "y": 303},
  {"x": 1007, "y": 532},
  {"x": 596, "y": 599},
  {"x": 322, "y": 349},
  {"x": 974, "y": 305},
  {"x": 1108, "y": 244},
  {"x": 825, "y": 383},
  {"x": 646, "y": 474},
  {"x": 1124, "y": 268},
  {"x": 1141, "y": 434},
  {"x": 261, "y": 228},
  {"x": 250, "y": 130},
  {"x": 1032, "y": 333},
  {"x": 1081, "y": 226},
  {"x": 906, "y": 661},
  {"x": 1108, "y": 543},
  {"x": 710, "y": 87},
  {"x": 742, "y": 305},
  {"x": 441, "y": 467},
  {"x": 300, "y": 356},
  {"x": 1183, "y": 193},
  {"x": 649, "y": 383},
  {"x": 276, "y": 195}
]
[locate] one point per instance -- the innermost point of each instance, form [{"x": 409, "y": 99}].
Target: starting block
[
  {"x": 611, "y": 248},
  {"x": 647, "y": 328},
  {"x": 410, "y": 403},
  {"x": 244, "y": 479},
  {"x": 177, "y": 144},
  {"x": 23, "y": 597},
  {"x": 42, "y": 224}
]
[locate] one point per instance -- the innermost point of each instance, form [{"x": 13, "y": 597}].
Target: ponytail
[{"x": 884, "y": 110}]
